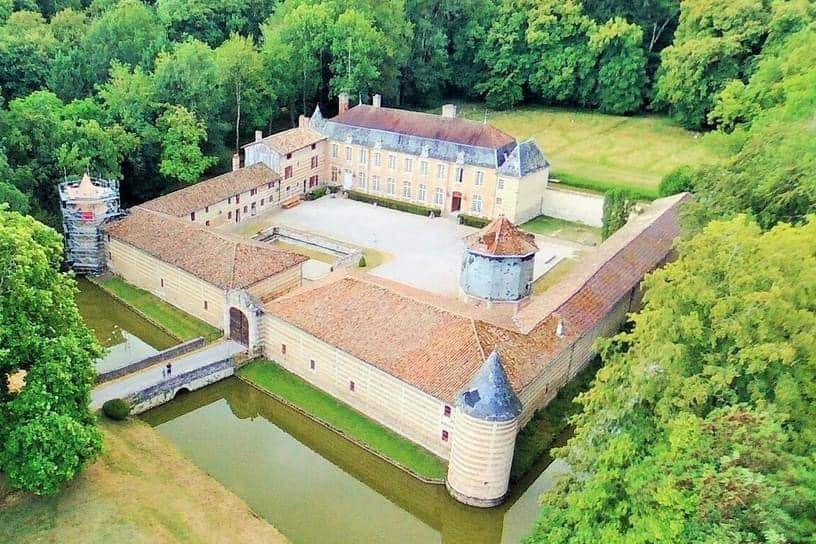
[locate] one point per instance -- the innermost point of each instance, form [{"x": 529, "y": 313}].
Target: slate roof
[
  {"x": 289, "y": 141},
  {"x": 502, "y": 238},
  {"x": 489, "y": 395},
  {"x": 525, "y": 159},
  {"x": 421, "y": 134},
  {"x": 219, "y": 259},
  {"x": 209, "y": 192}
]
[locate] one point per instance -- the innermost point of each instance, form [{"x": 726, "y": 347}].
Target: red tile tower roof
[{"x": 502, "y": 238}]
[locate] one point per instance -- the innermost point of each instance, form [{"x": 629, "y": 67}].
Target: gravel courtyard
[{"x": 425, "y": 253}]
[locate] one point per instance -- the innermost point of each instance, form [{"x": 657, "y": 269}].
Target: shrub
[
  {"x": 616, "y": 207},
  {"x": 679, "y": 180},
  {"x": 473, "y": 221},
  {"x": 317, "y": 193},
  {"x": 395, "y": 204},
  {"x": 116, "y": 409},
  {"x": 362, "y": 262}
]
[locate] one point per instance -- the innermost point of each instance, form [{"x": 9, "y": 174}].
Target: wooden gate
[{"x": 239, "y": 326}]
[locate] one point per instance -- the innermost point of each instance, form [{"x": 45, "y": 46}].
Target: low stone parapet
[{"x": 170, "y": 353}]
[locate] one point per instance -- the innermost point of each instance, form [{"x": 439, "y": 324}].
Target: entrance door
[
  {"x": 456, "y": 201},
  {"x": 239, "y": 326},
  {"x": 237, "y": 215}
]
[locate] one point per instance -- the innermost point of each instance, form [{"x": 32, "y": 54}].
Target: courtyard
[{"x": 422, "y": 252}]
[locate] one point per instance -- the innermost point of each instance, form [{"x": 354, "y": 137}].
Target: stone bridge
[{"x": 151, "y": 386}]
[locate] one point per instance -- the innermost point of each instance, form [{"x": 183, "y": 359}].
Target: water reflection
[{"x": 316, "y": 487}]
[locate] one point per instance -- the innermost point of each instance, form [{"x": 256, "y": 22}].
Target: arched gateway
[{"x": 239, "y": 326}]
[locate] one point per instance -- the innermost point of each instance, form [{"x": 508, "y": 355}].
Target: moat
[{"x": 316, "y": 487}]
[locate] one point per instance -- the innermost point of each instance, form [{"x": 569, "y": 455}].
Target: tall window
[
  {"x": 391, "y": 187},
  {"x": 334, "y": 174},
  {"x": 361, "y": 181},
  {"x": 423, "y": 168},
  {"x": 406, "y": 189},
  {"x": 392, "y": 162},
  {"x": 439, "y": 196},
  {"x": 362, "y": 155},
  {"x": 376, "y": 159},
  {"x": 314, "y": 162},
  {"x": 440, "y": 171},
  {"x": 421, "y": 193},
  {"x": 479, "y": 177},
  {"x": 287, "y": 173},
  {"x": 409, "y": 165},
  {"x": 500, "y": 184},
  {"x": 460, "y": 174},
  {"x": 476, "y": 204},
  {"x": 335, "y": 151},
  {"x": 375, "y": 183},
  {"x": 348, "y": 153}
]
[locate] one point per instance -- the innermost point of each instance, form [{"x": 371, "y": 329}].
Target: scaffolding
[{"x": 86, "y": 204}]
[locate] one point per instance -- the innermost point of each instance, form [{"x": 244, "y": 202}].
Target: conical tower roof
[
  {"x": 502, "y": 238},
  {"x": 489, "y": 395}
]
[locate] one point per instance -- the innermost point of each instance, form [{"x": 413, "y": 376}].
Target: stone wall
[
  {"x": 347, "y": 254},
  {"x": 167, "y": 390},
  {"x": 170, "y": 353},
  {"x": 562, "y": 203}
]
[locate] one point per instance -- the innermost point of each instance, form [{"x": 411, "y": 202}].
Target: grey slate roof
[
  {"x": 489, "y": 395},
  {"x": 414, "y": 145},
  {"x": 525, "y": 159}
]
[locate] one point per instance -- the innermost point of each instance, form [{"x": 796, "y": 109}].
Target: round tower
[
  {"x": 485, "y": 424},
  {"x": 497, "y": 265},
  {"x": 86, "y": 204}
]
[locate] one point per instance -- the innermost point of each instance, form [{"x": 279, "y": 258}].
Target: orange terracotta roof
[
  {"x": 425, "y": 125},
  {"x": 289, "y": 141},
  {"x": 209, "y": 192},
  {"x": 224, "y": 261},
  {"x": 501, "y": 237}
]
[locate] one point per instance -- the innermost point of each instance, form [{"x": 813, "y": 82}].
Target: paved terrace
[
  {"x": 424, "y": 253},
  {"x": 151, "y": 376}
]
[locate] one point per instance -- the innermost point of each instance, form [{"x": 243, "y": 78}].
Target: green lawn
[
  {"x": 566, "y": 230},
  {"x": 597, "y": 151},
  {"x": 176, "y": 322},
  {"x": 279, "y": 382}
]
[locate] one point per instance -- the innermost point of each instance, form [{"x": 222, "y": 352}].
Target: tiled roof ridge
[{"x": 478, "y": 340}]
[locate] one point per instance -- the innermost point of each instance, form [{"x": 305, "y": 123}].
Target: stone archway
[{"x": 238, "y": 326}]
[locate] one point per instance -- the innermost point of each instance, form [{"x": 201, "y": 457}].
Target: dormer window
[{"x": 288, "y": 155}]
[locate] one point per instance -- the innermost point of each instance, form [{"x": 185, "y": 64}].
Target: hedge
[
  {"x": 395, "y": 204},
  {"x": 473, "y": 221},
  {"x": 317, "y": 193},
  {"x": 116, "y": 409}
]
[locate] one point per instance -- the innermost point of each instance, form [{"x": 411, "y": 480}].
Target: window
[
  {"x": 110, "y": 255},
  {"x": 237, "y": 199},
  {"x": 314, "y": 162},
  {"x": 206, "y": 209},
  {"x": 312, "y": 364},
  {"x": 409, "y": 165},
  {"x": 351, "y": 385},
  {"x": 375, "y": 183},
  {"x": 406, "y": 189},
  {"x": 476, "y": 204},
  {"x": 423, "y": 168},
  {"x": 440, "y": 171},
  {"x": 376, "y": 159},
  {"x": 314, "y": 146},
  {"x": 362, "y": 155},
  {"x": 335, "y": 151},
  {"x": 391, "y": 187},
  {"x": 229, "y": 215},
  {"x": 288, "y": 155},
  {"x": 268, "y": 186},
  {"x": 262, "y": 202},
  {"x": 192, "y": 216},
  {"x": 439, "y": 197},
  {"x": 392, "y": 162},
  {"x": 479, "y": 177},
  {"x": 421, "y": 193},
  {"x": 207, "y": 223},
  {"x": 447, "y": 411},
  {"x": 161, "y": 282},
  {"x": 312, "y": 181},
  {"x": 283, "y": 349},
  {"x": 361, "y": 180},
  {"x": 229, "y": 200},
  {"x": 445, "y": 436},
  {"x": 334, "y": 174},
  {"x": 253, "y": 192},
  {"x": 205, "y": 304},
  {"x": 460, "y": 174},
  {"x": 348, "y": 153},
  {"x": 500, "y": 184},
  {"x": 498, "y": 202},
  {"x": 108, "y": 237},
  {"x": 287, "y": 172},
  {"x": 246, "y": 208}
]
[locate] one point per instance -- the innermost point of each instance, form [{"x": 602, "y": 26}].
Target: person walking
[{"x": 169, "y": 369}]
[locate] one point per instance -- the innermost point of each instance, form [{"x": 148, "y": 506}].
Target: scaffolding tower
[{"x": 86, "y": 204}]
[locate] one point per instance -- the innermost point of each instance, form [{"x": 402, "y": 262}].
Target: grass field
[
  {"x": 178, "y": 323},
  {"x": 597, "y": 151},
  {"x": 566, "y": 230},
  {"x": 271, "y": 377},
  {"x": 141, "y": 490}
]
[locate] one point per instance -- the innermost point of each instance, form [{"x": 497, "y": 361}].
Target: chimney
[
  {"x": 449, "y": 111},
  {"x": 258, "y": 135},
  {"x": 376, "y": 100},
  {"x": 236, "y": 161},
  {"x": 559, "y": 329},
  {"x": 303, "y": 122},
  {"x": 342, "y": 102}
]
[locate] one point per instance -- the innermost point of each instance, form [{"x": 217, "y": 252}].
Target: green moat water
[
  {"x": 127, "y": 335},
  {"x": 317, "y": 488}
]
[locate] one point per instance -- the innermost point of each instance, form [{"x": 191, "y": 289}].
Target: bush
[
  {"x": 473, "y": 221},
  {"x": 395, "y": 204},
  {"x": 362, "y": 262},
  {"x": 116, "y": 409},
  {"x": 678, "y": 180},
  {"x": 616, "y": 207},
  {"x": 317, "y": 193}
]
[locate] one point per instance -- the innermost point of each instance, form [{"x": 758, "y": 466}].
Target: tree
[
  {"x": 621, "y": 66},
  {"x": 428, "y": 69},
  {"x": 47, "y": 432},
  {"x": 468, "y": 24},
  {"x": 616, "y": 209},
  {"x": 181, "y": 157},
  {"x": 13, "y": 197},
  {"x": 26, "y": 46},
  {"x": 240, "y": 71},
  {"x": 504, "y": 53},
  {"x": 700, "y": 426},
  {"x": 356, "y": 47}
]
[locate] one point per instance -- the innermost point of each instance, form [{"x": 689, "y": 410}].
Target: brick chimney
[
  {"x": 236, "y": 162},
  {"x": 303, "y": 121},
  {"x": 258, "y": 135},
  {"x": 449, "y": 111},
  {"x": 376, "y": 100},
  {"x": 342, "y": 102}
]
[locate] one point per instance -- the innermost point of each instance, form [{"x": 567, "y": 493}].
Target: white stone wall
[{"x": 574, "y": 206}]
